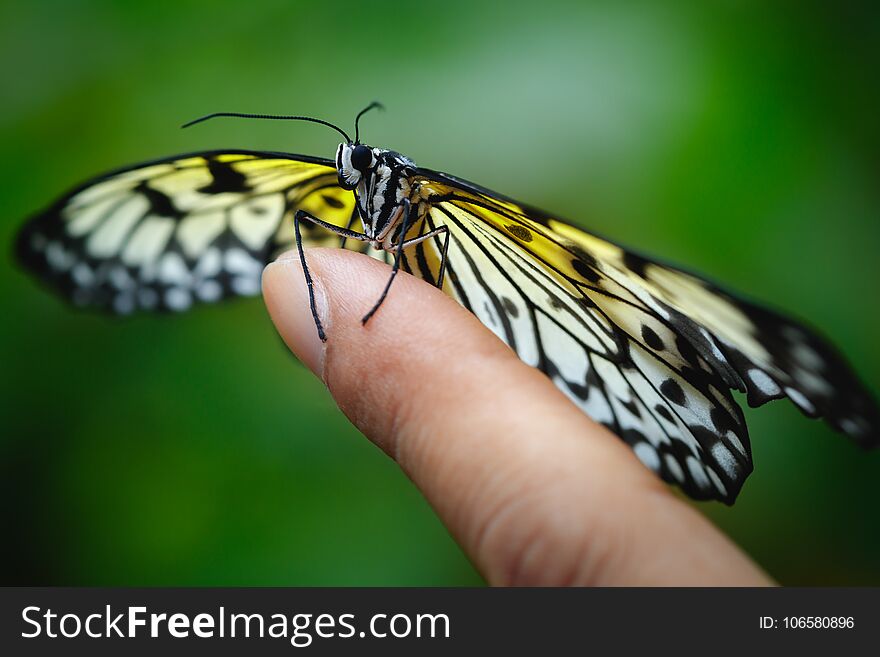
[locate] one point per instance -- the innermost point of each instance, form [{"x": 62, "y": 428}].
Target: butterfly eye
[{"x": 361, "y": 157}]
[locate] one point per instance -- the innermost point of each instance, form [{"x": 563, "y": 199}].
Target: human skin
[{"x": 534, "y": 491}]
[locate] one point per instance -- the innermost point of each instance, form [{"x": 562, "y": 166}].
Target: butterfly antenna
[
  {"x": 357, "y": 119},
  {"x": 273, "y": 117}
]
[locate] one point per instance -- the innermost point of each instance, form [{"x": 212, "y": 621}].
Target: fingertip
[
  {"x": 287, "y": 299},
  {"x": 534, "y": 490},
  {"x": 418, "y": 337}
]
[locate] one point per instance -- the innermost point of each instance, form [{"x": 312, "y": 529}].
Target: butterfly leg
[
  {"x": 434, "y": 233},
  {"x": 401, "y": 244},
  {"x": 302, "y": 215},
  {"x": 351, "y": 220},
  {"x": 442, "y": 230}
]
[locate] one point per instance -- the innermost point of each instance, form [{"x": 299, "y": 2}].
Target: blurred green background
[{"x": 741, "y": 139}]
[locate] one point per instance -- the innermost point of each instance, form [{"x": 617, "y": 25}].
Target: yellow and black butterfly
[{"x": 645, "y": 348}]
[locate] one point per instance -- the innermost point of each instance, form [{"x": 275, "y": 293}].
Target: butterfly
[{"x": 649, "y": 350}]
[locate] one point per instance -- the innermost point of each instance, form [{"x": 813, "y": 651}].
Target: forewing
[
  {"x": 649, "y": 351},
  {"x": 192, "y": 228}
]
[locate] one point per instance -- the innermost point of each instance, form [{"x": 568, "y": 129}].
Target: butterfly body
[
  {"x": 649, "y": 350},
  {"x": 381, "y": 180}
]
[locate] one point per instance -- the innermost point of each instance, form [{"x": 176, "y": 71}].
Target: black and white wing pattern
[
  {"x": 646, "y": 349},
  {"x": 193, "y": 228},
  {"x": 649, "y": 350}
]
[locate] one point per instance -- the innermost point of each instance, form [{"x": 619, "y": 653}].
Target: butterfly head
[{"x": 353, "y": 163}]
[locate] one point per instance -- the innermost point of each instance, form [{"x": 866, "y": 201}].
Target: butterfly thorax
[{"x": 381, "y": 181}]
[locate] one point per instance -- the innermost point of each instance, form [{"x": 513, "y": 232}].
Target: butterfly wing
[
  {"x": 192, "y": 228},
  {"x": 646, "y": 349}
]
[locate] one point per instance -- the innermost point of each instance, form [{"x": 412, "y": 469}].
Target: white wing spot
[
  {"x": 247, "y": 270},
  {"x": 793, "y": 333},
  {"x": 120, "y": 278},
  {"x": 734, "y": 440},
  {"x": 807, "y": 356},
  {"x": 58, "y": 257},
  {"x": 209, "y": 264},
  {"x": 82, "y": 275},
  {"x": 246, "y": 287},
  {"x": 849, "y": 426},
  {"x": 172, "y": 270},
  {"x": 763, "y": 382},
  {"x": 812, "y": 382},
  {"x": 238, "y": 261},
  {"x": 674, "y": 468},
  {"x": 209, "y": 291},
  {"x": 647, "y": 455},
  {"x": 698, "y": 474},
  {"x": 725, "y": 459},
  {"x": 177, "y": 298},
  {"x": 855, "y": 425},
  {"x": 715, "y": 350},
  {"x": 798, "y": 398}
]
